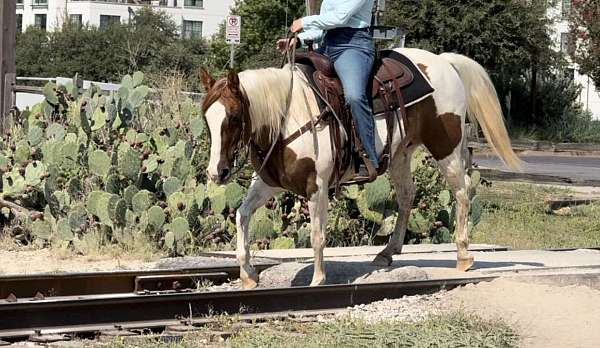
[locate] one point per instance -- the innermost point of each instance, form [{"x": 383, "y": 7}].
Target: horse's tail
[{"x": 483, "y": 106}]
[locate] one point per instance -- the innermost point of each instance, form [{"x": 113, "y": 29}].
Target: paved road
[{"x": 584, "y": 168}]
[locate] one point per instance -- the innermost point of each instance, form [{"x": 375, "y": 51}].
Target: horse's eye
[{"x": 234, "y": 119}]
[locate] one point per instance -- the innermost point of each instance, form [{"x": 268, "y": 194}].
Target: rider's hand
[
  {"x": 282, "y": 44},
  {"x": 297, "y": 25}
]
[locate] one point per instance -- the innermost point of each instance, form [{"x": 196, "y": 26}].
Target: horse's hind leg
[
  {"x": 258, "y": 194},
  {"x": 405, "y": 194},
  {"x": 454, "y": 168}
]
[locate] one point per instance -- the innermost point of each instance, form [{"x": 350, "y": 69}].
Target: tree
[
  {"x": 502, "y": 35},
  {"x": 263, "y": 21},
  {"x": 150, "y": 43},
  {"x": 585, "y": 34}
]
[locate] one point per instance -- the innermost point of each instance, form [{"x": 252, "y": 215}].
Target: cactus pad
[
  {"x": 156, "y": 217},
  {"x": 41, "y": 229},
  {"x": 55, "y": 131},
  {"x": 22, "y": 152},
  {"x": 234, "y": 195},
  {"x": 129, "y": 162},
  {"x": 142, "y": 201},
  {"x": 171, "y": 185},
  {"x": 77, "y": 216},
  {"x": 128, "y": 194},
  {"x": 35, "y": 135},
  {"x": 99, "y": 163},
  {"x": 283, "y": 243},
  {"x": 118, "y": 210},
  {"x": 418, "y": 223},
  {"x": 12, "y": 184},
  {"x": 63, "y": 230},
  {"x": 261, "y": 226},
  {"x": 34, "y": 172},
  {"x": 377, "y": 192}
]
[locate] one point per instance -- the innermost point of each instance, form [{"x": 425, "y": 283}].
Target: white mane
[{"x": 268, "y": 93}]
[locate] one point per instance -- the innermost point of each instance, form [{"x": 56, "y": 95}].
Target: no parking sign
[{"x": 233, "y": 30}]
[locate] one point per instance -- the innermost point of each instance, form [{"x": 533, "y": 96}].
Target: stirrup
[{"x": 371, "y": 174}]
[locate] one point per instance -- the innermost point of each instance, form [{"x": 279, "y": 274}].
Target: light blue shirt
[{"x": 337, "y": 14}]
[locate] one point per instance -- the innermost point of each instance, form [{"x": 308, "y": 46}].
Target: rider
[{"x": 342, "y": 28}]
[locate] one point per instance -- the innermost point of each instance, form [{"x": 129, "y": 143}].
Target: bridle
[{"x": 245, "y": 142}]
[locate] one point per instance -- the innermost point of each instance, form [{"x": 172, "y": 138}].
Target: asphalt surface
[{"x": 585, "y": 168}]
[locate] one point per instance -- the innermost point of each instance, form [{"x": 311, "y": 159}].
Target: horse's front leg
[
  {"x": 318, "y": 206},
  {"x": 258, "y": 194}
]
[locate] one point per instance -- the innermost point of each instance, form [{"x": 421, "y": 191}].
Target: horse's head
[{"x": 225, "y": 109}]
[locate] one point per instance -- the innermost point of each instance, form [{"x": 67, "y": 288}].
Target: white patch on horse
[
  {"x": 215, "y": 115},
  {"x": 444, "y": 79}
]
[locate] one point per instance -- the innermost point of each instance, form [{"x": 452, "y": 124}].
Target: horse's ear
[
  {"x": 207, "y": 80},
  {"x": 233, "y": 81}
]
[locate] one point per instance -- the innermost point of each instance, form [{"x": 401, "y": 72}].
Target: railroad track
[
  {"x": 43, "y": 308},
  {"x": 147, "y": 305},
  {"x": 97, "y": 283}
]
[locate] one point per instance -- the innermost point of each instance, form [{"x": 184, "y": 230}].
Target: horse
[{"x": 255, "y": 109}]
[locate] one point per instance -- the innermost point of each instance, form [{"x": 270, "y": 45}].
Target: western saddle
[{"x": 389, "y": 77}]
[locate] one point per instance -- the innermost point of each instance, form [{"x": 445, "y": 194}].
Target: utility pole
[
  {"x": 8, "y": 10},
  {"x": 312, "y": 7}
]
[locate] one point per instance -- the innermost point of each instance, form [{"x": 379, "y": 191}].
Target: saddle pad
[{"x": 419, "y": 89}]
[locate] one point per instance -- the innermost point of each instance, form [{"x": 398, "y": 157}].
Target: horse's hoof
[
  {"x": 250, "y": 283},
  {"x": 317, "y": 282},
  {"x": 465, "y": 264},
  {"x": 382, "y": 261}
]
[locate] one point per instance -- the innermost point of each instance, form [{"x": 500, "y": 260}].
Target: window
[
  {"x": 76, "y": 19},
  {"x": 564, "y": 42},
  {"x": 106, "y": 20},
  {"x": 40, "y": 21},
  {"x": 566, "y": 8},
  {"x": 193, "y": 3},
  {"x": 192, "y": 29},
  {"x": 19, "y": 22},
  {"x": 19, "y": 3},
  {"x": 39, "y": 3}
]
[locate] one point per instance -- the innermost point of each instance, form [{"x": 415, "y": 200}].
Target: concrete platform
[
  {"x": 574, "y": 267},
  {"x": 287, "y": 255}
]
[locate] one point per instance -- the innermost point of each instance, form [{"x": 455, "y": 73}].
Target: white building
[
  {"x": 196, "y": 18},
  {"x": 590, "y": 95}
]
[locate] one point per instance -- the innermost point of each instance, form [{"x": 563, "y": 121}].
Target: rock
[{"x": 338, "y": 272}]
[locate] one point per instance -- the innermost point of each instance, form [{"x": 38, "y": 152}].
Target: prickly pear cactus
[
  {"x": 156, "y": 218},
  {"x": 283, "y": 243},
  {"x": 171, "y": 185},
  {"x": 99, "y": 163},
  {"x": 142, "y": 201},
  {"x": 234, "y": 195},
  {"x": 261, "y": 225}
]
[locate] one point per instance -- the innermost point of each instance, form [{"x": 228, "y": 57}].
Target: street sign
[{"x": 233, "y": 30}]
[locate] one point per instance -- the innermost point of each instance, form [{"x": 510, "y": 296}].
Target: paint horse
[{"x": 257, "y": 107}]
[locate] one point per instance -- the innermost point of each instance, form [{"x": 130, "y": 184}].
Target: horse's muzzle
[{"x": 222, "y": 177}]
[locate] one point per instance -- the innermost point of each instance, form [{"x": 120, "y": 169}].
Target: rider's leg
[{"x": 354, "y": 67}]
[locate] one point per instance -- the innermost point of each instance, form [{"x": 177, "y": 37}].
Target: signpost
[
  {"x": 233, "y": 35},
  {"x": 7, "y": 58}
]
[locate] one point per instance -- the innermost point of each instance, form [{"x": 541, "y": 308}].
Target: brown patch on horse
[
  {"x": 285, "y": 170},
  {"x": 423, "y": 69},
  {"x": 441, "y": 134}
]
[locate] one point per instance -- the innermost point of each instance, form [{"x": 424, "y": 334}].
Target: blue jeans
[{"x": 353, "y": 54}]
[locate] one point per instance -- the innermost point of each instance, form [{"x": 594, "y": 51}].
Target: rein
[{"x": 291, "y": 58}]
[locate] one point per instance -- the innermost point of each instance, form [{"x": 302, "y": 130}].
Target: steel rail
[
  {"x": 25, "y": 317},
  {"x": 71, "y": 284}
]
